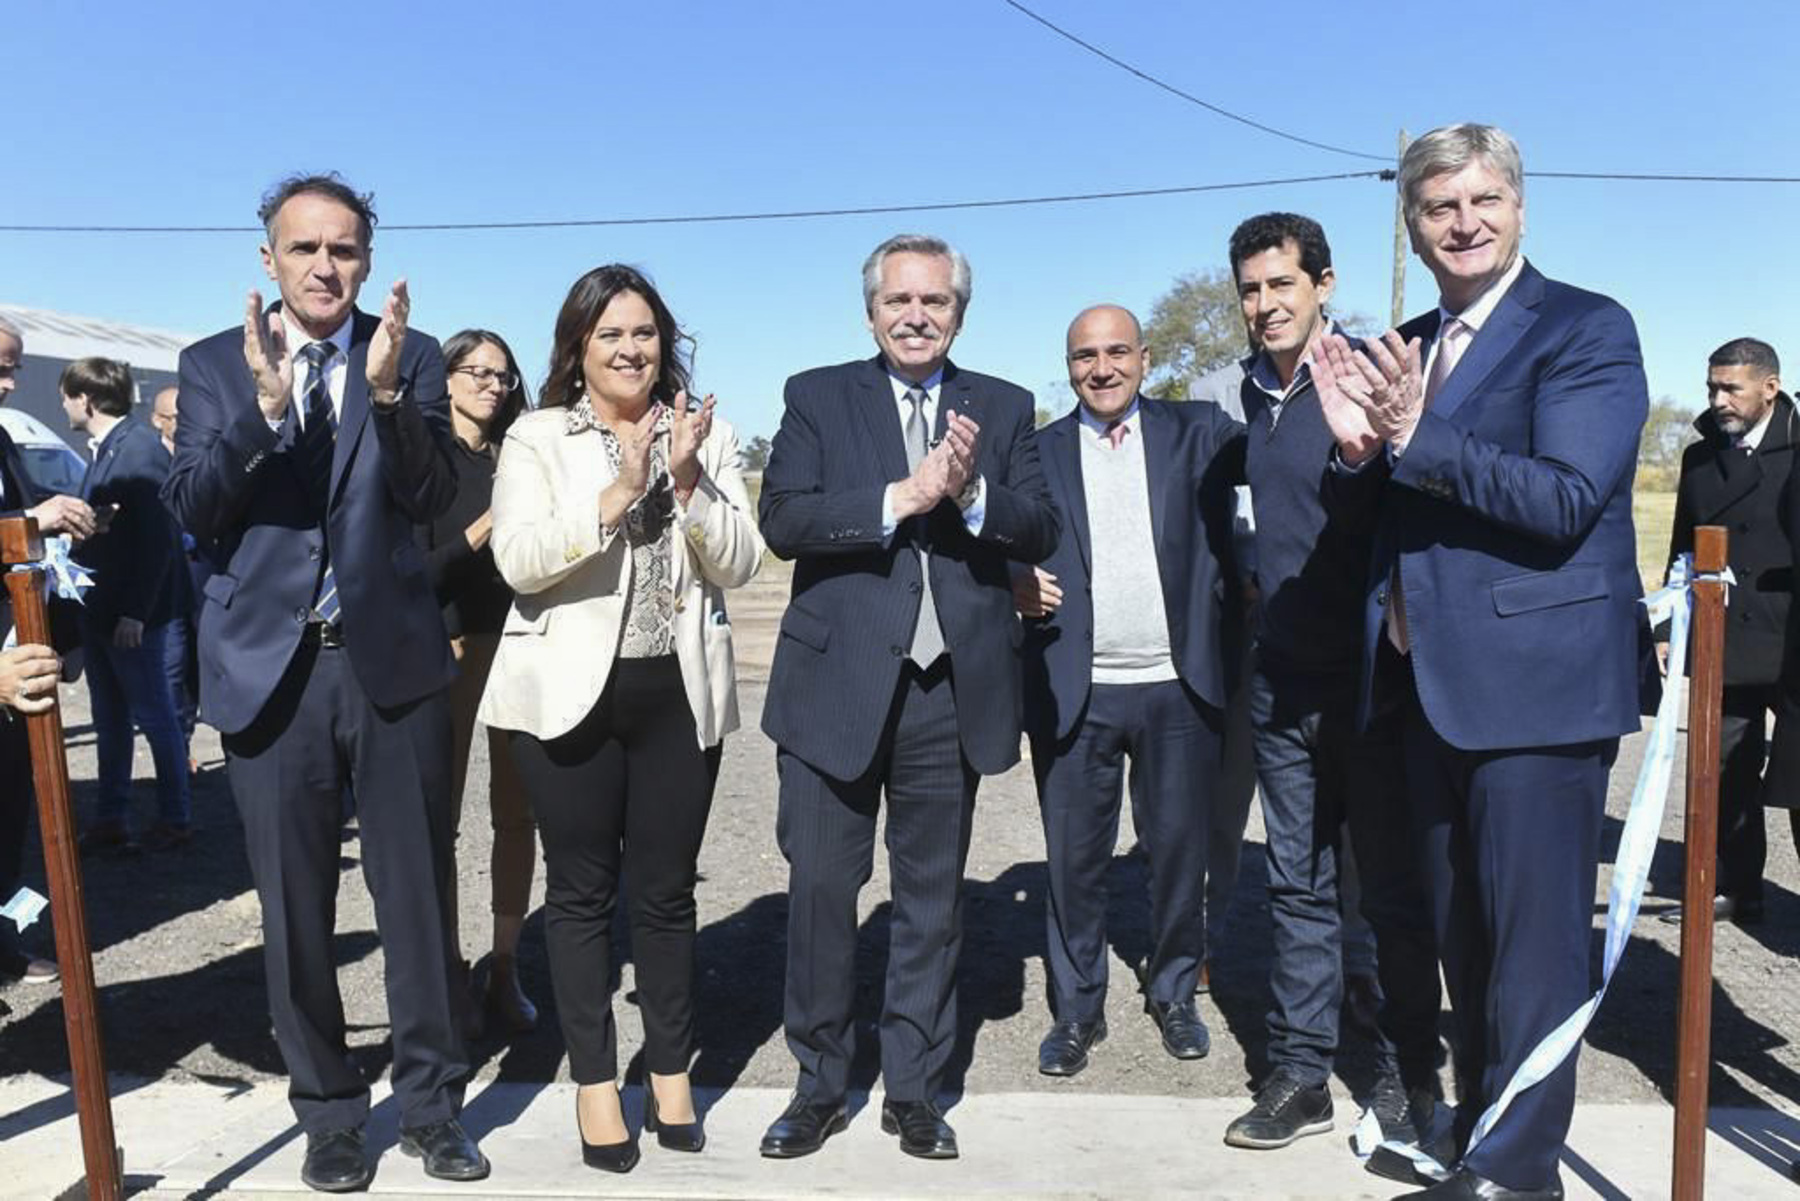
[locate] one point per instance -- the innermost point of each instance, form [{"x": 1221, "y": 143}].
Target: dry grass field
[{"x": 1654, "y": 515}]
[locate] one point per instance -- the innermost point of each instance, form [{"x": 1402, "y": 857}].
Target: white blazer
[{"x": 562, "y": 633}]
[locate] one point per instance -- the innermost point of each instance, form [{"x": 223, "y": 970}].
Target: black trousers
[
  {"x": 1743, "y": 750},
  {"x": 1511, "y": 841},
  {"x": 1172, "y": 738},
  {"x": 17, "y": 799},
  {"x": 629, "y": 788},
  {"x": 826, "y": 829},
  {"x": 288, "y": 771}
]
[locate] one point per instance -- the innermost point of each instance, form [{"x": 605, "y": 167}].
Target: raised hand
[
  {"x": 384, "y": 347},
  {"x": 265, "y": 351},
  {"x": 1035, "y": 592},
  {"x": 1341, "y": 389},
  {"x": 687, "y": 433},
  {"x": 1396, "y": 386},
  {"x": 962, "y": 440}
]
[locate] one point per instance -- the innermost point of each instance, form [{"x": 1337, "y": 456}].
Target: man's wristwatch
[
  {"x": 376, "y": 399},
  {"x": 966, "y": 497}
]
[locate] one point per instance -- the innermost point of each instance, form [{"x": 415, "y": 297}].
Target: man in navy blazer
[
  {"x": 311, "y": 440},
  {"x": 135, "y": 559},
  {"x": 1503, "y": 609},
  {"x": 1123, "y": 657},
  {"x": 901, "y": 487}
]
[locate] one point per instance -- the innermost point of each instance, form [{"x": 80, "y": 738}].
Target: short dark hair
[
  {"x": 106, "y": 383},
  {"x": 331, "y": 185},
  {"x": 465, "y": 342},
  {"x": 1271, "y": 231},
  {"x": 1747, "y": 352},
  {"x": 580, "y": 313}
]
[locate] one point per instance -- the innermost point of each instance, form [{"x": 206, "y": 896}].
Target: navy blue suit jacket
[
  {"x": 1193, "y": 454},
  {"x": 856, "y": 596},
  {"x": 235, "y": 483},
  {"x": 1510, "y": 516},
  {"x": 137, "y": 563}
]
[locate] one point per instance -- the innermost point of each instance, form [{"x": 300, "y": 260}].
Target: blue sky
[{"x": 184, "y": 113}]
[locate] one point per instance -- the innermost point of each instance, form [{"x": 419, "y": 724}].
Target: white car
[{"x": 52, "y": 464}]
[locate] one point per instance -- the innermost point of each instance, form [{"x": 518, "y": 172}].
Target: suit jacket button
[
  {"x": 1381, "y": 597},
  {"x": 312, "y": 552},
  {"x": 896, "y": 651},
  {"x": 680, "y": 604},
  {"x": 914, "y": 587},
  {"x": 300, "y": 616}
]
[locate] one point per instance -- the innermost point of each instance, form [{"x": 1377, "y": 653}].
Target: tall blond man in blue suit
[{"x": 1502, "y": 609}]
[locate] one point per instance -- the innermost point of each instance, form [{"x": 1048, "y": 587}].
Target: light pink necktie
[
  {"x": 1453, "y": 339},
  {"x": 1115, "y": 433}
]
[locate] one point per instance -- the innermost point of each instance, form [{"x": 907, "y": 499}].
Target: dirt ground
[{"x": 178, "y": 950}]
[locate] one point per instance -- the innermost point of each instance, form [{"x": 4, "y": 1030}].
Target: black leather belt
[{"x": 323, "y": 634}]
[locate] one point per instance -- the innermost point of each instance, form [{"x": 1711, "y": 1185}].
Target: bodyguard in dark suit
[
  {"x": 311, "y": 440},
  {"x": 900, "y": 487},
  {"x": 135, "y": 559},
  {"x": 1123, "y": 657},
  {"x": 1738, "y": 476},
  {"x": 1503, "y": 611},
  {"x": 55, "y": 515}
]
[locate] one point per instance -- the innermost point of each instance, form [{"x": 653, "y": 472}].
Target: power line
[
  {"x": 697, "y": 219},
  {"x": 1188, "y": 96},
  {"x": 1388, "y": 175}
]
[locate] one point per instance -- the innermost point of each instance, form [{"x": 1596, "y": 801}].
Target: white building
[{"x": 54, "y": 340}]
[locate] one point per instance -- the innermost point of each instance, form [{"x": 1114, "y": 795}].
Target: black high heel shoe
[
  {"x": 608, "y": 1157},
  {"x": 689, "y": 1136}
]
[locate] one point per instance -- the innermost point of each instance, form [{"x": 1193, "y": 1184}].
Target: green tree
[
  {"x": 1667, "y": 431},
  {"x": 756, "y": 453},
  {"x": 1194, "y": 327}
]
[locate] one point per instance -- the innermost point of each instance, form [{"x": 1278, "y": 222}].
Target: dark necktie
[
  {"x": 928, "y": 638},
  {"x": 317, "y": 440}
]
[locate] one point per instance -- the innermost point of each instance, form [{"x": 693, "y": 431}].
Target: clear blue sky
[{"x": 184, "y": 113}]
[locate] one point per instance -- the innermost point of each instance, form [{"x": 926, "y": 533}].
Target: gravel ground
[{"x": 178, "y": 951}]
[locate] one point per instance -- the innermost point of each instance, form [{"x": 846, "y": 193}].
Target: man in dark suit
[
  {"x": 1123, "y": 657},
  {"x": 1503, "y": 611},
  {"x": 135, "y": 560},
  {"x": 1738, "y": 476},
  {"x": 901, "y": 486},
  {"x": 311, "y": 439},
  {"x": 55, "y": 515}
]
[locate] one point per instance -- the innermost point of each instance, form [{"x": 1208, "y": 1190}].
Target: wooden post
[
  {"x": 1397, "y": 305},
  {"x": 1693, "y": 1027},
  {"x": 20, "y": 543}
]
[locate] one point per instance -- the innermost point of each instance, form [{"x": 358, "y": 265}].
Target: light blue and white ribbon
[
  {"x": 1674, "y": 603},
  {"x": 63, "y": 576}
]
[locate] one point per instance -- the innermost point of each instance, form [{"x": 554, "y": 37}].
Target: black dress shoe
[
  {"x": 334, "y": 1162},
  {"x": 1740, "y": 911},
  {"x": 1465, "y": 1185},
  {"x": 446, "y": 1149},
  {"x": 922, "y": 1129},
  {"x": 1064, "y": 1050},
  {"x": 802, "y": 1129},
  {"x": 1183, "y": 1033},
  {"x": 1286, "y": 1108},
  {"x": 687, "y": 1136}
]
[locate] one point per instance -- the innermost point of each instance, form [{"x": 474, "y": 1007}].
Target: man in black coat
[
  {"x": 1737, "y": 476},
  {"x": 901, "y": 487}
]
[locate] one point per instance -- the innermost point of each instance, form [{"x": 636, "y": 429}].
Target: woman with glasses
[
  {"x": 620, "y": 518},
  {"x": 486, "y": 396}
]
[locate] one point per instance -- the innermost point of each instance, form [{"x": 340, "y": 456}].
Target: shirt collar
[
  {"x": 1477, "y": 311},
  {"x": 901, "y": 386},
  {"x": 1753, "y": 437},
  {"x": 1099, "y": 425},
  {"x": 298, "y": 339},
  {"x": 1263, "y": 374}
]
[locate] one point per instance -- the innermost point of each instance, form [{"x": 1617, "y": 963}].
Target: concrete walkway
[{"x": 183, "y": 1140}]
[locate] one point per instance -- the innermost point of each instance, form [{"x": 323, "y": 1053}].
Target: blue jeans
[
  {"x": 1320, "y": 775},
  {"x": 129, "y": 686}
]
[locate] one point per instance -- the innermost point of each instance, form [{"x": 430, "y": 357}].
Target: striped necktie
[{"x": 317, "y": 440}]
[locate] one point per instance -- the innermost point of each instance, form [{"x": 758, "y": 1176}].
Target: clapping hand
[
  {"x": 384, "y": 347},
  {"x": 633, "y": 479},
  {"x": 687, "y": 433},
  {"x": 265, "y": 351},
  {"x": 1395, "y": 383},
  {"x": 1340, "y": 389},
  {"x": 962, "y": 439}
]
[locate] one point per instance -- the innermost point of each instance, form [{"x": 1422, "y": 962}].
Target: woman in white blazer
[{"x": 620, "y": 518}]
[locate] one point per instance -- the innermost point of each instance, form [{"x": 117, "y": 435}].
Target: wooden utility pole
[
  {"x": 1693, "y": 1023},
  {"x": 20, "y": 543},
  {"x": 1399, "y": 306}
]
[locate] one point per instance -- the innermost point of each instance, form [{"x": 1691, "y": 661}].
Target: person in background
[
  {"x": 486, "y": 396},
  {"x": 179, "y": 660},
  {"x": 619, "y": 519},
  {"x": 135, "y": 558}
]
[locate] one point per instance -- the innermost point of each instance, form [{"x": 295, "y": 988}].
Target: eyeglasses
[{"x": 483, "y": 375}]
